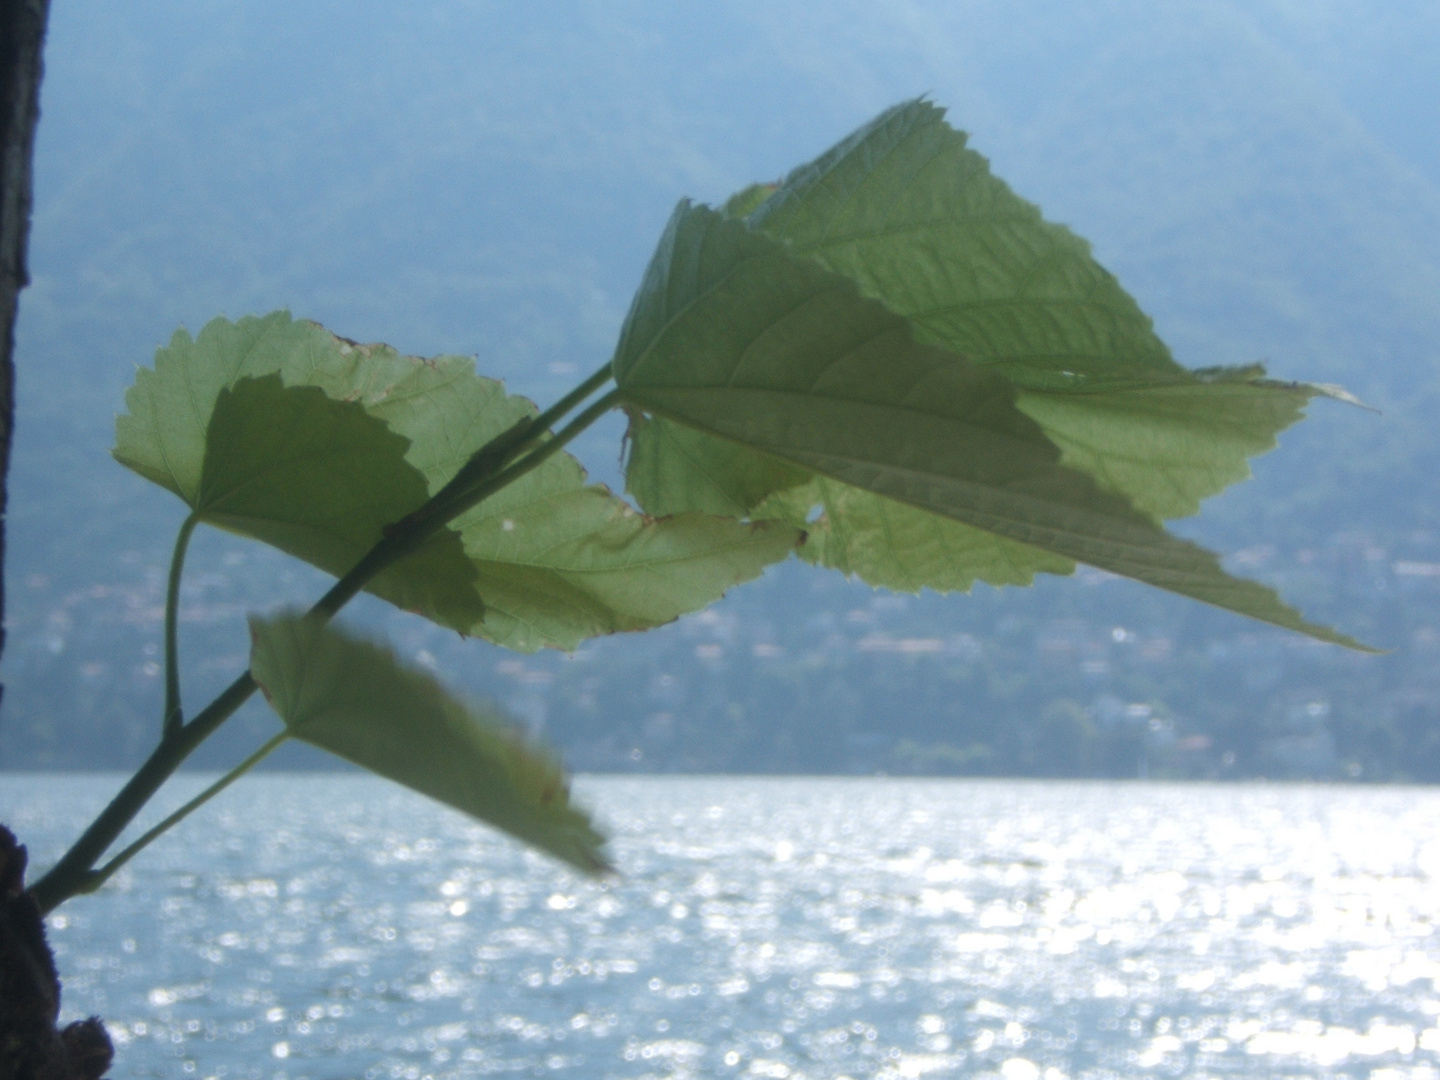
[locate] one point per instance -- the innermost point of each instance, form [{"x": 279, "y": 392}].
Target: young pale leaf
[
  {"x": 734, "y": 335},
  {"x": 906, "y": 210},
  {"x": 563, "y": 560},
  {"x": 356, "y": 700},
  {"x": 1170, "y": 444}
]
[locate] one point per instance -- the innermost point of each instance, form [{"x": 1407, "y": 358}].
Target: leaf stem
[
  {"x": 67, "y": 877},
  {"x": 458, "y": 504},
  {"x": 173, "y": 715},
  {"x": 95, "y": 878},
  {"x": 505, "y": 448},
  {"x": 495, "y": 455},
  {"x": 550, "y": 416},
  {"x": 73, "y": 873}
]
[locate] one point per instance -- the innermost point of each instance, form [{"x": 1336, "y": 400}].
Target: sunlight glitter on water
[{"x": 792, "y": 929}]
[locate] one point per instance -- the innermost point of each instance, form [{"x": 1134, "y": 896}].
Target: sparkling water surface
[{"x": 337, "y": 926}]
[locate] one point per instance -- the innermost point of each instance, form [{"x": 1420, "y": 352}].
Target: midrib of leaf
[
  {"x": 811, "y": 398},
  {"x": 1000, "y": 303},
  {"x": 994, "y": 520},
  {"x": 802, "y": 396}
]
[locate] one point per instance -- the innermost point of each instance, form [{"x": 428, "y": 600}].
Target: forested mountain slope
[{"x": 490, "y": 179}]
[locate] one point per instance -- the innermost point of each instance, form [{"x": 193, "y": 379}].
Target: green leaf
[
  {"x": 735, "y": 336},
  {"x": 565, "y": 563},
  {"x": 162, "y": 434},
  {"x": 897, "y": 546},
  {"x": 906, "y": 210},
  {"x": 355, "y": 699},
  {"x": 745, "y": 202},
  {"x": 555, "y": 560},
  {"x": 673, "y": 469},
  {"x": 320, "y": 479},
  {"x": 262, "y": 427}
]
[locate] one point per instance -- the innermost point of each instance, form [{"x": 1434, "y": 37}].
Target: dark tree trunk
[
  {"x": 22, "y": 37},
  {"x": 30, "y": 1046}
]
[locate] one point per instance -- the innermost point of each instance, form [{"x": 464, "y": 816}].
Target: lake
[{"x": 794, "y": 929}]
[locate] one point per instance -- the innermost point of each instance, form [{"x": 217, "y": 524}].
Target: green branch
[
  {"x": 503, "y": 449},
  {"x": 67, "y": 877},
  {"x": 96, "y": 878},
  {"x": 418, "y": 527},
  {"x": 73, "y": 874},
  {"x": 552, "y": 415}
]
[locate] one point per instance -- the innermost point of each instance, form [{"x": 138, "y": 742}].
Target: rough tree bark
[{"x": 30, "y": 1046}]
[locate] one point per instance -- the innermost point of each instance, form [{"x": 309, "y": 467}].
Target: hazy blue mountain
[{"x": 490, "y": 178}]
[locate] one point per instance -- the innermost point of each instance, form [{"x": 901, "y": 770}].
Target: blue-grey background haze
[{"x": 490, "y": 179}]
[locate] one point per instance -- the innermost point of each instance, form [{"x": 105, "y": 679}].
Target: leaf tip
[
  {"x": 1339, "y": 393},
  {"x": 598, "y": 867}
]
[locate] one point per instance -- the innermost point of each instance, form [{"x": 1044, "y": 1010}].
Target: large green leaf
[
  {"x": 554, "y": 560},
  {"x": 356, "y": 700},
  {"x": 734, "y": 335},
  {"x": 911, "y": 214},
  {"x": 905, "y": 209},
  {"x": 320, "y": 479},
  {"x": 674, "y": 468}
]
